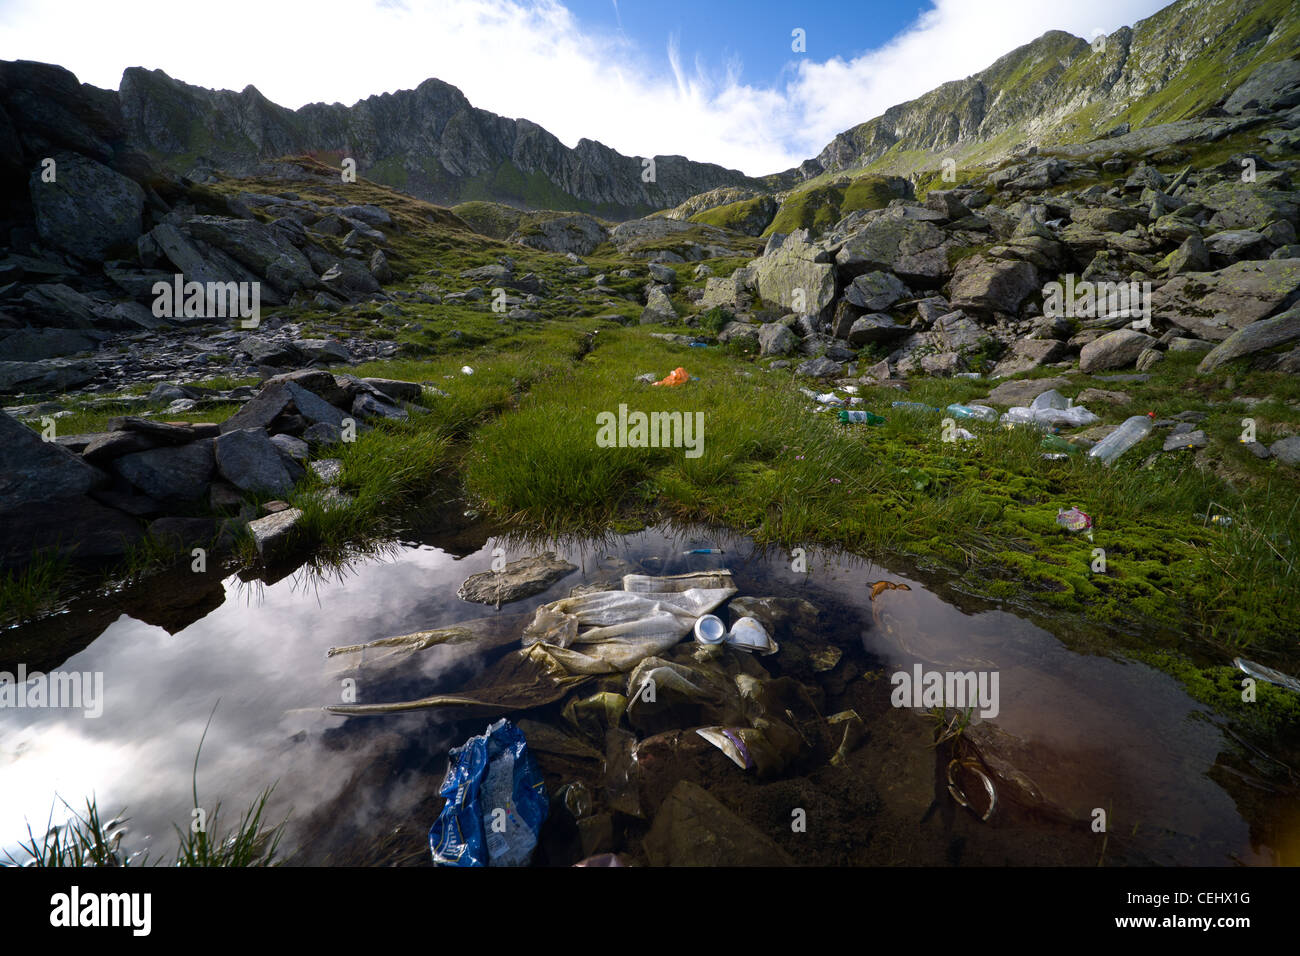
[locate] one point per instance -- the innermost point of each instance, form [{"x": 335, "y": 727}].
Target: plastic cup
[{"x": 749, "y": 634}]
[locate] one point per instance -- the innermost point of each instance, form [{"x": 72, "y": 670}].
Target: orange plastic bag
[{"x": 677, "y": 376}]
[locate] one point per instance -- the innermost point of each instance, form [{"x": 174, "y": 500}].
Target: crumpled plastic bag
[
  {"x": 622, "y": 628},
  {"x": 1076, "y": 417},
  {"x": 496, "y": 802}
]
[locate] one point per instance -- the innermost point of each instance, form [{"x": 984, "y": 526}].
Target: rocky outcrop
[{"x": 429, "y": 141}]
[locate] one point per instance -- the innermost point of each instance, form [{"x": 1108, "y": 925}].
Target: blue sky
[{"x": 717, "y": 82}]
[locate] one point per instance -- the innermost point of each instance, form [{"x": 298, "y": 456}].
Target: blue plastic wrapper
[{"x": 496, "y": 802}]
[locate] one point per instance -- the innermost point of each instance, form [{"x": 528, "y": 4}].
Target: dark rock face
[
  {"x": 88, "y": 209},
  {"x": 175, "y": 474},
  {"x": 33, "y": 471}
]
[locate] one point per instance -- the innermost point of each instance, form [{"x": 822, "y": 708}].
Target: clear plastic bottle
[
  {"x": 980, "y": 412},
  {"x": 1122, "y": 439}
]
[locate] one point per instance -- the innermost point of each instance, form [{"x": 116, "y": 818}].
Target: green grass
[{"x": 34, "y": 589}]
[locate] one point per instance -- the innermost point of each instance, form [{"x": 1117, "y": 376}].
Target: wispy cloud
[{"x": 535, "y": 59}]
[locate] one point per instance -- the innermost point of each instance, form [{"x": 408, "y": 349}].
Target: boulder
[
  {"x": 1273, "y": 87},
  {"x": 51, "y": 375},
  {"x": 173, "y": 474},
  {"x": 88, "y": 210},
  {"x": 76, "y": 527},
  {"x": 797, "y": 275},
  {"x": 33, "y": 345},
  {"x": 574, "y": 233},
  {"x": 916, "y": 252},
  {"x": 1215, "y": 304},
  {"x": 991, "y": 285},
  {"x": 1256, "y": 337},
  {"x": 1116, "y": 349},
  {"x": 264, "y": 250},
  {"x": 774, "y": 338},
  {"x": 1029, "y": 354},
  {"x": 821, "y": 367},
  {"x": 1024, "y": 391},
  {"x": 248, "y": 460},
  {"x": 277, "y": 399},
  {"x": 366, "y": 407},
  {"x": 32, "y": 470},
  {"x": 876, "y": 327},
  {"x": 658, "y": 307},
  {"x": 875, "y": 291}
]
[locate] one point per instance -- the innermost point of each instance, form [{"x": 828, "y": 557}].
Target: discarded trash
[
  {"x": 1260, "y": 672},
  {"x": 860, "y": 417},
  {"x": 1121, "y": 439},
  {"x": 963, "y": 435},
  {"x": 699, "y": 345},
  {"x": 602, "y": 859},
  {"x": 854, "y": 729},
  {"x": 1073, "y": 520},
  {"x": 710, "y": 629},
  {"x": 881, "y": 586},
  {"x": 466, "y": 370},
  {"x": 980, "y": 412},
  {"x": 1056, "y": 443},
  {"x": 705, "y": 551},
  {"x": 750, "y": 635},
  {"x": 1224, "y": 521},
  {"x": 829, "y": 398},
  {"x": 624, "y": 627},
  {"x": 955, "y": 791},
  {"x": 576, "y": 799},
  {"x": 915, "y": 406},
  {"x": 729, "y": 741},
  {"x": 1046, "y": 417},
  {"x": 1050, "y": 399},
  {"x": 496, "y": 802},
  {"x": 677, "y": 376},
  {"x": 1055, "y": 456}
]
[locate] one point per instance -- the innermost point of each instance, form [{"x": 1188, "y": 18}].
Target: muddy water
[{"x": 1093, "y": 733}]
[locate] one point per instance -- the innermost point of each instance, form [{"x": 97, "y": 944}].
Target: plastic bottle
[
  {"x": 860, "y": 417},
  {"x": 981, "y": 412},
  {"x": 914, "y": 406},
  {"x": 1057, "y": 443},
  {"x": 1121, "y": 439}
]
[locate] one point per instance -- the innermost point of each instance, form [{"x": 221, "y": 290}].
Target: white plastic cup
[
  {"x": 748, "y": 634},
  {"x": 709, "y": 629}
]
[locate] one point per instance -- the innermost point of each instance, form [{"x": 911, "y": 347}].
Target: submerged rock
[{"x": 519, "y": 579}]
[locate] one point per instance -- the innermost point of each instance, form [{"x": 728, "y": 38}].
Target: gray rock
[
  {"x": 1215, "y": 304},
  {"x": 263, "y": 350},
  {"x": 89, "y": 210},
  {"x": 662, "y": 274},
  {"x": 916, "y": 252},
  {"x": 576, "y": 233},
  {"x": 1236, "y": 244},
  {"x": 108, "y": 446},
  {"x": 61, "y": 305},
  {"x": 33, "y": 470},
  {"x": 174, "y": 474},
  {"x": 821, "y": 367},
  {"x": 875, "y": 291},
  {"x": 322, "y": 434},
  {"x": 395, "y": 389},
  {"x": 876, "y": 327},
  {"x": 658, "y": 308},
  {"x": 1024, "y": 391},
  {"x": 1114, "y": 350},
  {"x": 294, "y": 449},
  {"x": 274, "y": 535},
  {"x": 51, "y": 375},
  {"x": 75, "y": 526},
  {"x": 987, "y": 285},
  {"x": 1190, "y": 256},
  {"x": 33, "y": 345},
  {"x": 264, "y": 250},
  {"x": 379, "y": 267},
  {"x": 248, "y": 460},
  {"x": 1188, "y": 439},
  {"x": 1256, "y": 337},
  {"x": 328, "y": 470},
  {"x": 775, "y": 339},
  {"x": 349, "y": 278},
  {"x": 1273, "y": 86},
  {"x": 321, "y": 350},
  {"x": 276, "y": 399},
  {"x": 1287, "y": 450},
  {"x": 519, "y": 579},
  {"x": 365, "y": 406},
  {"x": 796, "y": 276},
  {"x": 1029, "y": 354}
]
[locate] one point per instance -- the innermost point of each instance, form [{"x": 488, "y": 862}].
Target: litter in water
[{"x": 1260, "y": 672}]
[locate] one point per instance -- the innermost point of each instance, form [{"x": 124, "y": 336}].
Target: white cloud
[{"x": 535, "y": 60}]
